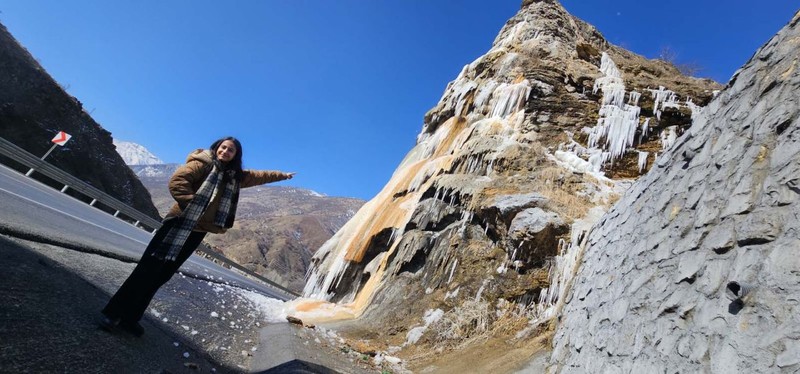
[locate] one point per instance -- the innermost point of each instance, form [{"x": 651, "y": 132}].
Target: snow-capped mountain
[{"x": 135, "y": 154}]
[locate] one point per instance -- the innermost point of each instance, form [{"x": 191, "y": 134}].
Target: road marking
[{"x": 70, "y": 215}]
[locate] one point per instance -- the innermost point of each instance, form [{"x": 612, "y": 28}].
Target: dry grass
[
  {"x": 490, "y": 352},
  {"x": 562, "y": 188},
  {"x": 468, "y": 320}
]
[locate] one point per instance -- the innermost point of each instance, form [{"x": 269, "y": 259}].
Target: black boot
[
  {"x": 134, "y": 328},
  {"x": 108, "y": 323}
]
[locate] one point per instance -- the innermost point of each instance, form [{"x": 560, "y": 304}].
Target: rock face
[
  {"x": 33, "y": 108},
  {"x": 526, "y": 148},
  {"x": 695, "y": 269},
  {"x": 277, "y": 228}
]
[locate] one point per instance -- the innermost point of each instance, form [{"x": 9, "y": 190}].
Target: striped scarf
[{"x": 170, "y": 247}]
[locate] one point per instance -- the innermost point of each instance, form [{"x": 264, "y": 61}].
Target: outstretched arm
[{"x": 259, "y": 177}]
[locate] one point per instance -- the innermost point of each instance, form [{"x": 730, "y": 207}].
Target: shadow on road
[
  {"x": 299, "y": 367},
  {"x": 48, "y": 323}
]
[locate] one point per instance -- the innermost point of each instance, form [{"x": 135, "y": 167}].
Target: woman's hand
[{"x": 290, "y": 175}]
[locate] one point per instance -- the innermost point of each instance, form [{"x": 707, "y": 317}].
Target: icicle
[
  {"x": 664, "y": 98},
  {"x": 694, "y": 108},
  {"x": 484, "y": 94},
  {"x": 633, "y": 98},
  {"x": 642, "y": 160},
  {"x": 618, "y": 121},
  {"x": 668, "y": 137},
  {"x": 510, "y": 98},
  {"x": 645, "y": 128}
]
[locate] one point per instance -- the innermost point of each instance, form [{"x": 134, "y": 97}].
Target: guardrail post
[
  {"x": 28, "y": 174},
  {"x": 116, "y": 214},
  {"x": 136, "y": 224},
  {"x": 65, "y": 188},
  {"x": 94, "y": 201}
]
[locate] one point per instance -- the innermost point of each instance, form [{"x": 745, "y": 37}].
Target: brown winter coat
[{"x": 189, "y": 177}]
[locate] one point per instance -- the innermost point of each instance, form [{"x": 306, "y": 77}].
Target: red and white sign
[{"x": 61, "y": 138}]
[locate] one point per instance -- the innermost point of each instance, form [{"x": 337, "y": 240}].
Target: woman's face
[{"x": 226, "y": 151}]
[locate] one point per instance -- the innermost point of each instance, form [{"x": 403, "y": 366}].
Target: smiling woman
[
  {"x": 227, "y": 150},
  {"x": 206, "y": 191}
]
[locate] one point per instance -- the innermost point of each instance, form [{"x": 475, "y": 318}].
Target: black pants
[{"x": 132, "y": 299}]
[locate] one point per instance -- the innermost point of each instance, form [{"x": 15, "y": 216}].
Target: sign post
[{"x": 60, "y": 139}]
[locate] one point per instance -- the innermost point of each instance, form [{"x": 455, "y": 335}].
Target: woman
[{"x": 206, "y": 190}]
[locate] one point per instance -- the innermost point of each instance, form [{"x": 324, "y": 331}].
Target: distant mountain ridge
[{"x": 136, "y": 154}]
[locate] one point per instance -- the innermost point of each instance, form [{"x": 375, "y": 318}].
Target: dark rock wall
[{"x": 33, "y": 108}]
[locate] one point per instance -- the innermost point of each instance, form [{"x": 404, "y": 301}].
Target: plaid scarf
[{"x": 217, "y": 179}]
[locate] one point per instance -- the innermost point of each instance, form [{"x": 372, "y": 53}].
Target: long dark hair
[{"x": 236, "y": 163}]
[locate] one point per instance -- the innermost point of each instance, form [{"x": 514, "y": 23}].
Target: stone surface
[
  {"x": 738, "y": 222},
  {"x": 533, "y": 221}
]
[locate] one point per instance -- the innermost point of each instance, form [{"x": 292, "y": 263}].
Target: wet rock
[{"x": 294, "y": 320}]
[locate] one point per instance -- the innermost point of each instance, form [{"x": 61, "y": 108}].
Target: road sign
[{"x": 61, "y": 138}]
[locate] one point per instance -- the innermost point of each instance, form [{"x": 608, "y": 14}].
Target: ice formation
[
  {"x": 431, "y": 316},
  {"x": 642, "y": 160},
  {"x": 563, "y": 267},
  {"x": 615, "y": 130},
  {"x": 510, "y": 97},
  {"x": 663, "y": 98},
  {"x": 645, "y": 129},
  {"x": 669, "y": 136}
]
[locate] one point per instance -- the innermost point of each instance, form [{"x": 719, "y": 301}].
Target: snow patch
[{"x": 431, "y": 316}]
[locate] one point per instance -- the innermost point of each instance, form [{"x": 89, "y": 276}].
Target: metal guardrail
[
  {"x": 22, "y": 156},
  {"x": 27, "y": 159}
]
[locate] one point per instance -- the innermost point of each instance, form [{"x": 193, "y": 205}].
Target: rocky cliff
[
  {"x": 696, "y": 268},
  {"x": 526, "y": 149},
  {"x": 33, "y": 108}
]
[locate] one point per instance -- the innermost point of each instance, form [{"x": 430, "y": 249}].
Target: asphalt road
[
  {"x": 36, "y": 210},
  {"x": 60, "y": 267}
]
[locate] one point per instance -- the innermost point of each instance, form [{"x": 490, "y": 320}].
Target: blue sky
[{"x": 333, "y": 90}]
